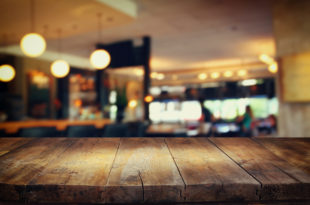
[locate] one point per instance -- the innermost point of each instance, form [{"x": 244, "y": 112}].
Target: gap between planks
[{"x": 184, "y": 197}]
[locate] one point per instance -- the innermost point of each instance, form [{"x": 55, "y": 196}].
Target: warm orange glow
[
  {"x": 60, "y": 68},
  {"x": 148, "y": 98},
  {"x": 78, "y": 103},
  {"x": 228, "y": 74},
  {"x": 132, "y": 103},
  {"x": 7, "y": 73},
  {"x": 215, "y": 75},
  {"x": 242, "y": 73},
  {"x": 33, "y": 44},
  {"x": 266, "y": 59},
  {"x": 273, "y": 68},
  {"x": 100, "y": 59},
  {"x": 202, "y": 76}
]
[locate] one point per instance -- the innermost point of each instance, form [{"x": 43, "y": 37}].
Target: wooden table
[
  {"x": 13, "y": 127},
  {"x": 154, "y": 170}
]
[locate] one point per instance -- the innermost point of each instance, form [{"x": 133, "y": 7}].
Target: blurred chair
[
  {"x": 116, "y": 130},
  {"x": 82, "y": 131},
  {"x": 136, "y": 129},
  {"x": 39, "y": 132}
]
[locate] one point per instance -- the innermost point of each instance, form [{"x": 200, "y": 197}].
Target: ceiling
[{"x": 186, "y": 34}]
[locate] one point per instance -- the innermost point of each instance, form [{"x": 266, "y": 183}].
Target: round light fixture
[
  {"x": 100, "y": 59},
  {"x": 228, "y": 74},
  {"x": 132, "y": 103},
  {"x": 148, "y": 98},
  {"x": 33, "y": 44},
  {"x": 242, "y": 73},
  {"x": 60, "y": 68},
  {"x": 7, "y": 73},
  {"x": 215, "y": 75},
  {"x": 273, "y": 68},
  {"x": 202, "y": 76}
]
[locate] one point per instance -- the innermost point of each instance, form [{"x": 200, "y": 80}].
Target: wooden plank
[
  {"x": 78, "y": 176},
  {"x": 280, "y": 180},
  {"x": 144, "y": 171},
  {"x": 209, "y": 174},
  {"x": 20, "y": 166},
  {"x": 294, "y": 150},
  {"x": 10, "y": 143}
]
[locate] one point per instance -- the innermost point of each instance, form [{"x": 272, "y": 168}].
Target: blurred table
[
  {"x": 13, "y": 127},
  {"x": 161, "y": 130},
  {"x": 155, "y": 170}
]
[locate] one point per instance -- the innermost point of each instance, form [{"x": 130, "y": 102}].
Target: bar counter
[
  {"x": 154, "y": 170},
  {"x": 14, "y": 126}
]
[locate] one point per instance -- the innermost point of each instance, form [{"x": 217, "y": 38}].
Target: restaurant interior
[{"x": 182, "y": 71}]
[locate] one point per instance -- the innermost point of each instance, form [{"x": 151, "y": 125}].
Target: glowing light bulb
[
  {"x": 7, "y": 73},
  {"x": 242, "y": 73},
  {"x": 228, "y": 74},
  {"x": 33, "y": 44},
  {"x": 160, "y": 76},
  {"x": 273, "y": 68},
  {"x": 100, "y": 59},
  {"x": 154, "y": 75},
  {"x": 60, "y": 68},
  {"x": 202, "y": 76},
  {"x": 215, "y": 75},
  {"x": 266, "y": 59},
  {"x": 132, "y": 103},
  {"x": 148, "y": 98}
]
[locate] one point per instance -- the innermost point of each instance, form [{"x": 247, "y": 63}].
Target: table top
[
  {"x": 14, "y": 126},
  {"x": 154, "y": 170}
]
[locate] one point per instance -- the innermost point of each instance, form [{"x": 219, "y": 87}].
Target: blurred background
[{"x": 166, "y": 68}]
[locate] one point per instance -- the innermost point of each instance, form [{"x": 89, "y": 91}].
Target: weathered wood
[
  {"x": 144, "y": 171},
  {"x": 294, "y": 150},
  {"x": 78, "y": 175},
  {"x": 19, "y": 167},
  {"x": 209, "y": 174},
  {"x": 8, "y": 144},
  {"x": 280, "y": 181}
]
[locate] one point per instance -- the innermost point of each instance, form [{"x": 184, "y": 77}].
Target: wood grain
[
  {"x": 20, "y": 166},
  {"x": 209, "y": 174},
  {"x": 8, "y": 144},
  {"x": 78, "y": 176},
  {"x": 280, "y": 181},
  {"x": 294, "y": 150},
  {"x": 144, "y": 171}
]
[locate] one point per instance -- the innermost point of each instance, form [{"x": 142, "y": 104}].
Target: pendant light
[
  {"x": 100, "y": 58},
  {"x": 7, "y": 72},
  {"x": 60, "y": 68},
  {"x": 32, "y": 44}
]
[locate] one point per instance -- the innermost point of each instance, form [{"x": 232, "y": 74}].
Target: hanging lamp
[
  {"x": 100, "y": 58},
  {"x": 60, "y": 68},
  {"x": 7, "y": 72},
  {"x": 32, "y": 44}
]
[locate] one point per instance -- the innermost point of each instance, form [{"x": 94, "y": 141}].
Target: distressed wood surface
[
  {"x": 8, "y": 144},
  {"x": 209, "y": 174},
  {"x": 153, "y": 170},
  {"x": 280, "y": 180},
  {"x": 80, "y": 173},
  {"x": 19, "y": 167},
  {"x": 295, "y": 151},
  {"x": 144, "y": 171}
]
